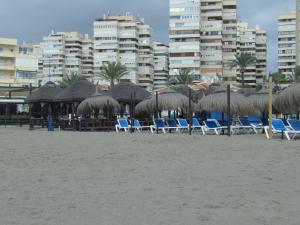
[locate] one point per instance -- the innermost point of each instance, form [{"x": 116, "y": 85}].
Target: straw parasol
[
  {"x": 98, "y": 100},
  {"x": 247, "y": 91},
  {"x": 44, "y": 94},
  {"x": 125, "y": 90},
  {"x": 260, "y": 100},
  {"x": 239, "y": 104},
  {"x": 184, "y": 89},
  {"x": 168, "y": 99},
  {"x": 76, "y": 92},
  {"x": 288, "y": 101}
]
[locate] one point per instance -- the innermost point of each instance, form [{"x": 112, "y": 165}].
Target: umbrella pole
[
  {"x": 190, "y": 112},
  {"x": 131, "y": 121},
  {"x": 228, "y": 111},
  {"x": 156, "y": 108}
]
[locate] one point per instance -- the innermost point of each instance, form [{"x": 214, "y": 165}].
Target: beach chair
[
  {"x": 122, "y": 125},
  {"x": 295, "y": 126},
  {"x": 196, "y": 125},
  {"x": 159, "y": 124},
  {"x": 256, "y": 123},
  {"x": 245, "y": 124},
  {"x": 278, "y": 127},
  {"x": 183, "y": 123},
  {"x": 138, "y": 127},
  {"x": 172, "y": 125},
  {"x": 214, "y": 125}
]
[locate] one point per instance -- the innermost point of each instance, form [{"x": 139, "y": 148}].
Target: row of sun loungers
[
  {"x": 181, "y": 125},
  {"x": 289, "y": 128}
]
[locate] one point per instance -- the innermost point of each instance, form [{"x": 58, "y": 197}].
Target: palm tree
[
  {"x": 295, "y": 77},
  {"x": 72, "y": 78},
  {"x": 112, "y": 72},
  {"x": 280, "y": 78},
  {"x": 183, "y": 77},
  {"x": 242, "y": 61}
]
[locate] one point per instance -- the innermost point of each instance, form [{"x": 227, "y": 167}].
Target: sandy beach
[{"x": 72, "y": 178}]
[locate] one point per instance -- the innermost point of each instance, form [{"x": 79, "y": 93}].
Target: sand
[{"x": 72, "y": 178}]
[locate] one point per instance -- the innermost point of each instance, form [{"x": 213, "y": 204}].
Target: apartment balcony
[
  {"x": 7, "y": 54},
  {"x": 7, "y": 67}
]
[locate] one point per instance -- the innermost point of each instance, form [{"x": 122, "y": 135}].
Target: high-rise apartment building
[
  {"x": 184, "y": 36},
  {"x": 18, "y": 63},
  {"x": 161, "y": 65},
  {"x": 128, "y": 40},
  {"x": 203, "y": 38},
  {"x": 218, "y": 39},
  {"x": 64, "y": 53},
  {"x": 287, "y": 43},
  {"x": 253, "y": 41},
  {"x": 297, "y": 32}
]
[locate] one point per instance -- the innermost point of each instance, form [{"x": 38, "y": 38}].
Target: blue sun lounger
[
  {"x": 196, "y": 125},
  {"x": 172, "y": 125},
  {"x": 158, "y": 124},
  {"x": 278, "y": 127},
  {"x": 214, "y": 125},
  {"x": 122, "y": 125},
  {"x": 245, "y": 124},
  {"x": 295, "y": 126},
  {"x": 137, "y": 126},
  {"x": 183, "y": 123}
]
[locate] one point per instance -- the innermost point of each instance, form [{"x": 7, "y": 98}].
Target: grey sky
[{"x": 30, "y": 20}]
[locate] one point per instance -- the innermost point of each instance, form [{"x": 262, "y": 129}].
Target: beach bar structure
[{"x": 13, "y": 108}]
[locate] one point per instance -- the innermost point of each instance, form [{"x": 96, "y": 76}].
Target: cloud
[{"x": 30, "y": 20}]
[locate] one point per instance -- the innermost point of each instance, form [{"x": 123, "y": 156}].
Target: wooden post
[
  {"x": 270, "y": 106},
  {"x": 228, "y": 111}
]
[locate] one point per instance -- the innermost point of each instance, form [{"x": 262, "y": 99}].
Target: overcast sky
[{"x": 30, "y": 20}]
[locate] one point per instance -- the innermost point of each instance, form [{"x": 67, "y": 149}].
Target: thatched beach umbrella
[
  {"x": 185, "y": 89},
  {"x": 97, "y": 101},
  {"x": 247, "y": 91},
  {"x": 123, "y": 92},
  {"x": 288, "y": 101},
  {"x": 44, "y": 94},
  {"x": 168, "y": 99},
  {"x": 260, "y": 100},
  {"x": 76, "y": 92},
  {"x": 239, "y": 104}
]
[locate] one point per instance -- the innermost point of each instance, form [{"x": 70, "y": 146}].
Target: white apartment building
[
  {"x": 161, "y": 65},
  {"x": 218, "y": 39},
  {"x": 287, "y": 43},
  {"x": 128, "y": 40},
  {"x": 298, "y": 32},
  {"x": 203, "y": 38},
  {"x": 253, "y": 41},
  {"x": 184, "y": 36},
  {"x": 64, "y": 53}
]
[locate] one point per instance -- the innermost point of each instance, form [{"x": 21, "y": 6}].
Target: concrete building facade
[
  {"x": 253, "y": 41},
  {"x": 18, "y": 62},
  {"x": 287, "y": 49},
  {"x": 64, "y": 53},
  {"x": 128, "y": 40},
  {"x": 184, "y": 36},
  {"x": 161, "y": 65}
]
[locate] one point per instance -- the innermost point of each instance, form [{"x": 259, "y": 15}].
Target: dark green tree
[
  {"x": 113, "y": 72},
  {"x": 242, "y": 61}
]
